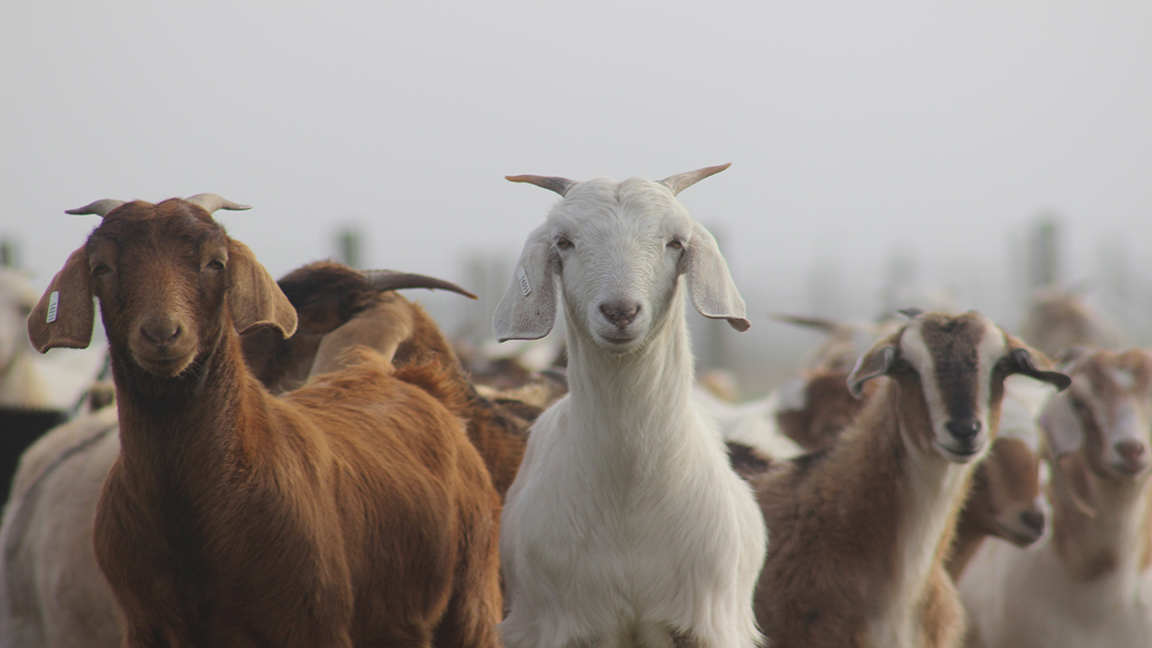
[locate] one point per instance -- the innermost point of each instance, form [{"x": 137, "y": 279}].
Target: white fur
[
  {"x": 625, "y": 525},
  {"x": 752, "y": 424}
]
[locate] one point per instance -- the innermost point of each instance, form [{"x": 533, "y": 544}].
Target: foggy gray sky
[{"x": 854, "y": 129}]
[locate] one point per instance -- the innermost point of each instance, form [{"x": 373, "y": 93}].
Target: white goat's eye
[
  {"x": 563, "y": 243},
  {"x": 676, "y": 244}
]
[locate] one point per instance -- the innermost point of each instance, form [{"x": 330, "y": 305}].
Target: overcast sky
[{"x": 854, "y": 128}]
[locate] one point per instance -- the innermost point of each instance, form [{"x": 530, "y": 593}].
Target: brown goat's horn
[
  {"x": 211, "y": 202},
  {"x": 826, "y": 325},
  {"x": 384, "y": 280},
  {"x": 551, "y": 183},
  {"x": 100, "y": 207},
  {"x": 682, "y": 181}
]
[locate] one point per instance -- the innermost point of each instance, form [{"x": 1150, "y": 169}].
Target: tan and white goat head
[
  {"x": 951, "y": 371},
  {"x": 618, "y": 251}
]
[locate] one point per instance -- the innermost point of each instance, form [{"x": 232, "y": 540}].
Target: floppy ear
[
  {"x": 710, "y": 286},
  {"x": 1061, "y": 426},
  {"x": 876, "y": 362},
  {"x": 528, "y": 309},
  {"x": 1025, "y": 359},
  {"x": 254, "y": 298},
  {"x": 64, "y": 315}
]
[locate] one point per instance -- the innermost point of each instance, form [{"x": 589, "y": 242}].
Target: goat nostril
[
  {"x": 1130, "y": 449},
  {"x": 620, "y": 313},
  {"x": 161, "y": 333},
  {"x": 1033, "y": 520},
  {"x": 963, "y": 430}
]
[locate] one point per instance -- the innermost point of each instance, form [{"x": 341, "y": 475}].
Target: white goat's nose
[{"x": 620, "y": 313}]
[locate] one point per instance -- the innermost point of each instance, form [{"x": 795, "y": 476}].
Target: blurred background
[{"x": 885, "y": 154}]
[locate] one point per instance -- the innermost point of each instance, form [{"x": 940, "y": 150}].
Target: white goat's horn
[
  {"x": 211, "y": 202},
  {"x": 384, "y": 280},
  {"x": 682, "y": 181},
  {"x": 100, "y": 207},
  {"x": 551, "y": 183}
]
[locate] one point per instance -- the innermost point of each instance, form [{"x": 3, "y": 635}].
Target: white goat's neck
[
  {"x": 21, "y": 385},
  {"x": 1114, "y": 540},
  {"x": 626, "y": 399}
]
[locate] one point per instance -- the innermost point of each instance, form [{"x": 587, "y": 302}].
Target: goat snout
[
  {"x": 1033, "y": 521},
  {"x": 1133, "y": 456},
  {"x": 620, "y": 313},
  {"x": 962, "y": 430},
  {"x": 161, "y": 332}
]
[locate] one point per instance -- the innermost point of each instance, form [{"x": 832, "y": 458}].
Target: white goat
[
  {"x": 1089, "y": 583},
  {"x": 625, "y": 525}
]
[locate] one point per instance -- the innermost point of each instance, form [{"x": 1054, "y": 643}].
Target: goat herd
[{"x": 308, "y": 463}]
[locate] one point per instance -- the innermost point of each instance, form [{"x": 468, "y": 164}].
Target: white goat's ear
[
  {"x": 1061, "y": 426},
  {"x": 254, "y": 298},
  {"x": 528, "y": 309},
  {"x": 710, "y": 286},
  {"x": 65, "y": 313},
  {"x": 875, "y": 363}
]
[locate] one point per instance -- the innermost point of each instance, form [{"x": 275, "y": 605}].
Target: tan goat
[
  {"x": 860, "y": 530},
  {"x": 353, "y": 511}
]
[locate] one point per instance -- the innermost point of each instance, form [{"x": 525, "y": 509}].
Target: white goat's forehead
[
  {"x": 954, "y": 356},
  {"x": 636, "y": 206}
]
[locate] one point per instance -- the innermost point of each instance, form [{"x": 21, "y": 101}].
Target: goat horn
[
  {"x": 100, "y": 207},
  {"x": 384, "y": 280},
  {"x": 682, "y": 181},
  {"x": 910, "y": 313},
  {"x": 211, "y": 202},
  {"x": 551, "y": 183},
  {"x": 826, "y": 325}
]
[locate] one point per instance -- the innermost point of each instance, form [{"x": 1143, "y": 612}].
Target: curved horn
[
  {"x": 551, "y": 183},
  {"x": 384, "y": 280},
  {"x": 826, "y": 325},
  {"x": 682, "y": 181},
  {"x": 211, "y": 202},
  {"x": 100, "y": 207}
]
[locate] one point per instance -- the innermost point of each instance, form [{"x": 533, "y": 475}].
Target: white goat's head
[
  {"x": 1107, "y": 414},
  {"x": 618, "y": 250}
]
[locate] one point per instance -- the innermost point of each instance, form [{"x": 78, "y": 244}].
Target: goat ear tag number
[
  {"x": 53, "y": 305},
  {"x": 523, "y": 277}
]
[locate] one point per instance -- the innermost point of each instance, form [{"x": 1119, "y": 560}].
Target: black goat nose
[
  {"x": 963, "y": 430},
  {"x": 620, "y": 313},
  {"x": 1034, "y": 520}
]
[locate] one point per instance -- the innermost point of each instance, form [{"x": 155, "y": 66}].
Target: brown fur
[
  {"x": 352, "y": 511},
  {"x": 837, "y": 514}
]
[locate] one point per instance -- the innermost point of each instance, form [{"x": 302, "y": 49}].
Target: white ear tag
[
  {"x": 523, "y": 277},
  {"x": 53, "y": 305}
]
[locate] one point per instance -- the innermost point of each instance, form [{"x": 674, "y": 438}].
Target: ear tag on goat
[
  {"x": 523, "y": 277},
  {"x": 53, "y": 305}
]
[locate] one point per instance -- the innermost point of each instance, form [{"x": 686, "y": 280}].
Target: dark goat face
[
  {"x": 169, "y": 281},
  {"x": 951, "y": 370}
]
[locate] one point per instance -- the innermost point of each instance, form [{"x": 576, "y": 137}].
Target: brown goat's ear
[
  {"x": 64, "y": 315},
  {"x": 1025, "y": 360},
  {"x": 876, "y": 362},
  {"x": 254, "y": 298}
]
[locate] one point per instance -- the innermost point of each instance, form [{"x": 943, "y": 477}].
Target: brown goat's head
[
  {"x": 1005, "y": 496},
  {"x": 1107, "y": 414},
  {"x": 815, "y": 408},
  {"x": 949, "y": 371},
  {"x": 164, "y": 274}
]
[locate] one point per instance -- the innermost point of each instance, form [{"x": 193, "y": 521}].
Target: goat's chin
[
  {"x": 164, "y": 366},
  {"x": 960, "y": 455},
  {"x": 619, "y": 343}
]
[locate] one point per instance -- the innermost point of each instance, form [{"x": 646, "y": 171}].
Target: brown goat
[
  {"x": 1004, "y": 498},
  {"x": 353, "y": 511},
  {"x": 860, "y": 530}
]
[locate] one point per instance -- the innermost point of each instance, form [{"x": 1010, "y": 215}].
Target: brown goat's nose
[
  {"x": 161, "y": 332},
  {"x": 963, "y": 430},
  {"x": 1034, "y": 520},
  {"x": 1130, "y": 449},
  {"x": 620, "y": 313}
]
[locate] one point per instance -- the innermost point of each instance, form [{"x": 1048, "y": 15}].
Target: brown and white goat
[
  {"x": 861, "y": 529},
  {"x": 353, "y": 511},
  {"x": 1089, "y": 583}
]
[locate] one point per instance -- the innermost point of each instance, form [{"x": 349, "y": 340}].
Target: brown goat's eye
[
  {"x": 563, "y": 243},
  {"x": 101, "y": 270},
  {"x": 676, "y": 244},
  {"x": 215, "y": 264}
]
